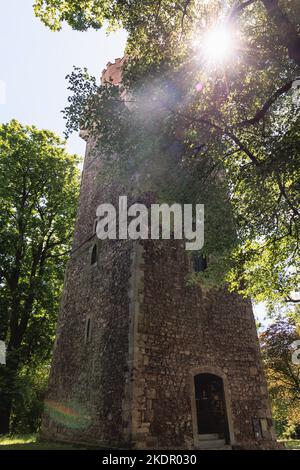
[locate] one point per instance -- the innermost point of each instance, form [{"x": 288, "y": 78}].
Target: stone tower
[{"x": 142, "y": 359}]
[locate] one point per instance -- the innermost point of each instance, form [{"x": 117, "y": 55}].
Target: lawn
[
  {"x": 292, "y": 444},
  {"x": 29, "y": 442}
]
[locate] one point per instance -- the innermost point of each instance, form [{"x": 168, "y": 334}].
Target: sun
[{"x": 218, "y": 45}]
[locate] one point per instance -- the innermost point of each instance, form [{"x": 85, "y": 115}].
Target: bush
[{"x": 29, "y": 401}]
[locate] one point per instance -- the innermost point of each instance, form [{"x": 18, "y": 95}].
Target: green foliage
[
  {"x": 81, "y": 14},
  {"x": 30, "y": 389},
  {"x": 39, "y": 185},
  {"x": 243, "y": 124},
  {"x": 283, "y": 376},
  {"x": 142, "y": 17}
]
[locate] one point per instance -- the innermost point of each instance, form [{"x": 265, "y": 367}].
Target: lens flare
[
  {"x": 218, "y": 45},
  {"x": 70, "y": 415},
  {"x": 199, "y": 87}
]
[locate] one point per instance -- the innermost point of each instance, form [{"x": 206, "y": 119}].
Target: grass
[
  {"x": 29, "y": 442},
  {"x": 291, "y": 444}
]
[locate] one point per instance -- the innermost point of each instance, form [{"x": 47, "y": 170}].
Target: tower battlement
[{"x": 113, "y": 72}]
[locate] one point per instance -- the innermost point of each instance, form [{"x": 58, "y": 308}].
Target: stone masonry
[{"x": 132, "y": 334}]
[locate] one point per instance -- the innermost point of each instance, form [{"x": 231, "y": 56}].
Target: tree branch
[
  {"x": 285, "y": 195},
  {"x": 237, "y": 9},
  {"x": 263, "y": 111},
  {"x": 226, "y": 132}
]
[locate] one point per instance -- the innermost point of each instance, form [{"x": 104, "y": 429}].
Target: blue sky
[{"x": 34, "y": 62}]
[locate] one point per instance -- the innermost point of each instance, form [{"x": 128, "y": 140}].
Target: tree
[
  {"x": 283, "y": 376},
  {"x": 237, "y": 116},
  {"x": 39, "y": 185},
  {"x": 159, "y": 19}
]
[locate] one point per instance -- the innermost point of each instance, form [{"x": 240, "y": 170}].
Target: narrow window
[
  {"x": 200, "y": 263},
  {"x": 94, "y": 255},
  {"x": 88, "y": 330},
  {"x": 257, "y": 427}
]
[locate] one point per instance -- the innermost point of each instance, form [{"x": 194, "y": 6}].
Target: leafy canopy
[{"x": 191, "y": 125}]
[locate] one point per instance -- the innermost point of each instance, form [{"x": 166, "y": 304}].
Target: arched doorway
[{"x": 211, "y": 413}]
